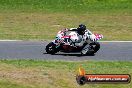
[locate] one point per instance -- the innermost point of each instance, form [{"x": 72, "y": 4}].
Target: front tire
[
  {"x": 51, "y": 48},
  {"x": 95, "y": 46},
  {"x": 91, "y": 49}
]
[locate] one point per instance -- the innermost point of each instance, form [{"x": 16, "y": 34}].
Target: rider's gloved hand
[{"x": 92, "y": 37}]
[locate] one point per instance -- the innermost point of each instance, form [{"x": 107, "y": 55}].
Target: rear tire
[{"x": 51, "y": 48}]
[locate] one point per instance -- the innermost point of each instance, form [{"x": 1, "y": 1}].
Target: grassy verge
[
  {"x": 41, "y": 26},
  {"x": 66, "y": 6},
  {"x": 41, "y": 19},
  {"x": 57, "y": 74}
]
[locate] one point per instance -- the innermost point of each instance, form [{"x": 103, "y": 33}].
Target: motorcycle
[{"x": 68, "y": 43}]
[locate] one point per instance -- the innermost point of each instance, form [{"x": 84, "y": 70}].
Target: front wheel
[
  {"x": 95, "y": 46},
  {"x": 51, "y": 48},
  {"x": 90, "y": 49}
]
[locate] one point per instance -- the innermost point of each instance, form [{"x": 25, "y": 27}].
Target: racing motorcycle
[{"x": 68, "y": 43}]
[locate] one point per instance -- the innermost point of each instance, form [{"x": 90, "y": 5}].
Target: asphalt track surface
[{"x": 36, "y": 50}]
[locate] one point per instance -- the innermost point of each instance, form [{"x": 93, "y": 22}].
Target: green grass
[
  {"x": 73, "y": 6},
  {"x": 9, "y": 84},
  {"x": 39, "y": 26},
  {"x": 42, "y": 19},
  {"x": 57, "y": 74}
]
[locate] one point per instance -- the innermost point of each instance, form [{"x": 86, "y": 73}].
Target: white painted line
[
  {"x": 9, "y": 40},
  {"x": 51, "y": 40},
  {"x": 116, "y": 41}
]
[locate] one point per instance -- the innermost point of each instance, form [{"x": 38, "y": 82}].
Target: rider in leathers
[
  {"x": 80, "y": 36},
  {"x": 83, "y": 35}
]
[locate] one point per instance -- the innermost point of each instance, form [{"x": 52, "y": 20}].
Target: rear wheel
[{"x": 51, "y": 48}]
